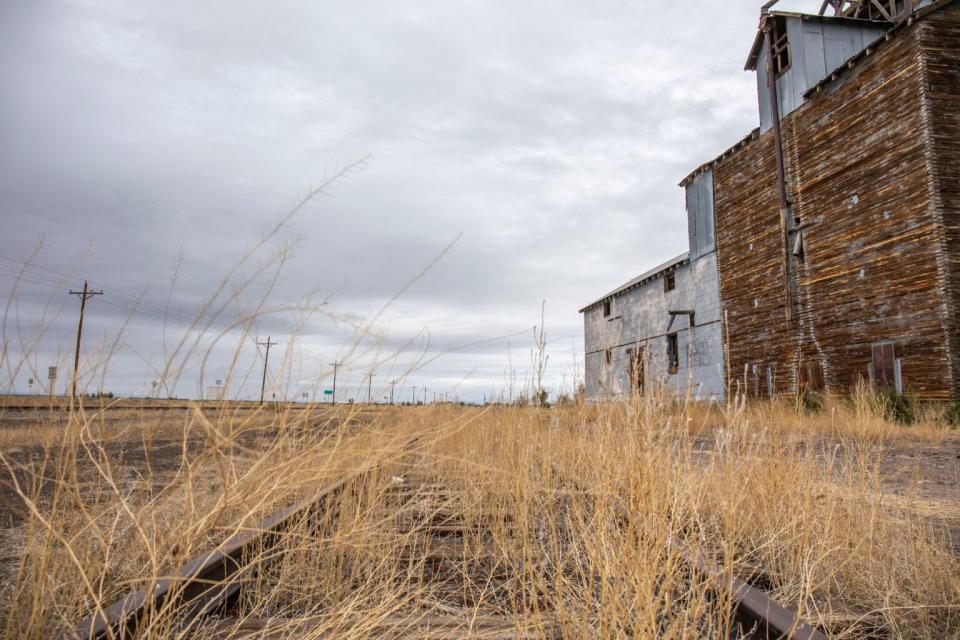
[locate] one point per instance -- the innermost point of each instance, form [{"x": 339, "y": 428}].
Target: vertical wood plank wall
[{"x": 939, "y": 37}]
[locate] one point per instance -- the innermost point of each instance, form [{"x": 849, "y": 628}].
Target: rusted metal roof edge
[
  {"x": 887, "y": 36},
  {"x": 659, "y": 270}
]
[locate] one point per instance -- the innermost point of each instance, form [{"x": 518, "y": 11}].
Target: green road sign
[{"x": 328, "y": 392}]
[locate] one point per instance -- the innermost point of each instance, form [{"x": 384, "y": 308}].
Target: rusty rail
[
  {"x": 757, "y": 615},
  {"x": 211, "y": 579},
  {"x": 205, "y": 582}
]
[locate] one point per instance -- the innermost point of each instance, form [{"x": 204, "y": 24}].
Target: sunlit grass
[{"x": 574, "y": 509}]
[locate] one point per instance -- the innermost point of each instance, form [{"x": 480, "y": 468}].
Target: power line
[
  {"x": 37, "y": 274},
  {"x": 58, "y": 277},
  {"x": 34, "y": 274}
]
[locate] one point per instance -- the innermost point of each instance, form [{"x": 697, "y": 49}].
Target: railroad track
[
  {"x": 756, "y": 616},
  {"x": 463, "y": 586}
]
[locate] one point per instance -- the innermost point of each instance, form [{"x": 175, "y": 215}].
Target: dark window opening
[
  {"x": 883, "y": 365},
  {"x": 606, "y": 309},
  {"x": 609, "y": 356},
  {"x": 673, "y": 354},
  {"x": 635, "y": 358},
  {"x": 781, "y": 48},
  {"x": 669, "y": 282}
]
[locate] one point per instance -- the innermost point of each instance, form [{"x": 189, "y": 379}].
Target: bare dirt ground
[
  {"x": 926, "y": 477},
  {"x": 916, "y": 474}
]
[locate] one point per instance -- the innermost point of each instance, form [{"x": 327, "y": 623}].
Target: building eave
[
  {"x": 670, "y": 265},
  {"x": 723, "y": 156}
]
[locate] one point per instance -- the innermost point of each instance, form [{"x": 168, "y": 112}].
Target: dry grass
[{"x": 573, "y": 510}]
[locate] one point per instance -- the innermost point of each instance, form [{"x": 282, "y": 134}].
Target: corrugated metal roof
[{"x": 657, "y": 271}]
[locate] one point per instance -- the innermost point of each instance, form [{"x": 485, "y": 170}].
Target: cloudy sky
[{"x": 523, "y": 151}]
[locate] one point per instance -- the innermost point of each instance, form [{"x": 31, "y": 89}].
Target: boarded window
[
  {"x": 883, "y": 365},
  {"x": 606, "y": 308},
  {"x": 673, "y": 354},
  {"x": 669, "y": 282},
  {"x": 635, "y": 358},
  {"x": 810, "y": 376}
]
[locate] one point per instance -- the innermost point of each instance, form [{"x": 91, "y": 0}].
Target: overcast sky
[{"x": 545, "y": 140}]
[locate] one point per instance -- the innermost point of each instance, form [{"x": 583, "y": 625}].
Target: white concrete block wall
[{"x": 641, "y": 317}]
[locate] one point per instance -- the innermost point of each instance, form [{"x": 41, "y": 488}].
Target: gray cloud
[{"x": 550, "y": 135}]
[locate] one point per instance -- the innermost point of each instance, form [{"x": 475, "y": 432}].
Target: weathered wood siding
[
  {"x": 857, "y": 166},
  {"x": 751, "y": 277},
  {"x": 939, "y": 37}
]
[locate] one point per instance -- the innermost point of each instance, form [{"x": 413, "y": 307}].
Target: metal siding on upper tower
[
  {"x": 818, "y": 46},
  {"x": 700, "y": 214}
]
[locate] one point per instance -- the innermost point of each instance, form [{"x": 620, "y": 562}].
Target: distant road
[{"x": 61, "y": 403}]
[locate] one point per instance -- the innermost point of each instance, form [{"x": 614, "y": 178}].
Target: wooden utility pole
[
  {"x": 335, "y": 365},
  {"x": 370, "y": 375},
  {"x": 84, "y": 295},
  {"x": 393, "y": 383},
  {"x": 266, "y": 359}
]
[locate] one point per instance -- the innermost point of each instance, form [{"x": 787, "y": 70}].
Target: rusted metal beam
[
  {"x": 210, "y": 579},
  {"x": 757, "y": 613}
]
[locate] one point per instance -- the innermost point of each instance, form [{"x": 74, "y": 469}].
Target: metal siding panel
[
  {"x": 701, "y": 214},
  {"x": 832, "y": 46},
  {"x": 701, "y": 208},
  {"x": 692, "y": 207},
  {"x": 708, "y": 236},
  {"x": 785, "y": 93},
  {"x": 813, "y": 57},
  {"x": 797, "y": 56},
  {"x": 699, "y": 196},
  {"x": 762, "y": 99},
  {"x": 852, "y": 42}
]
